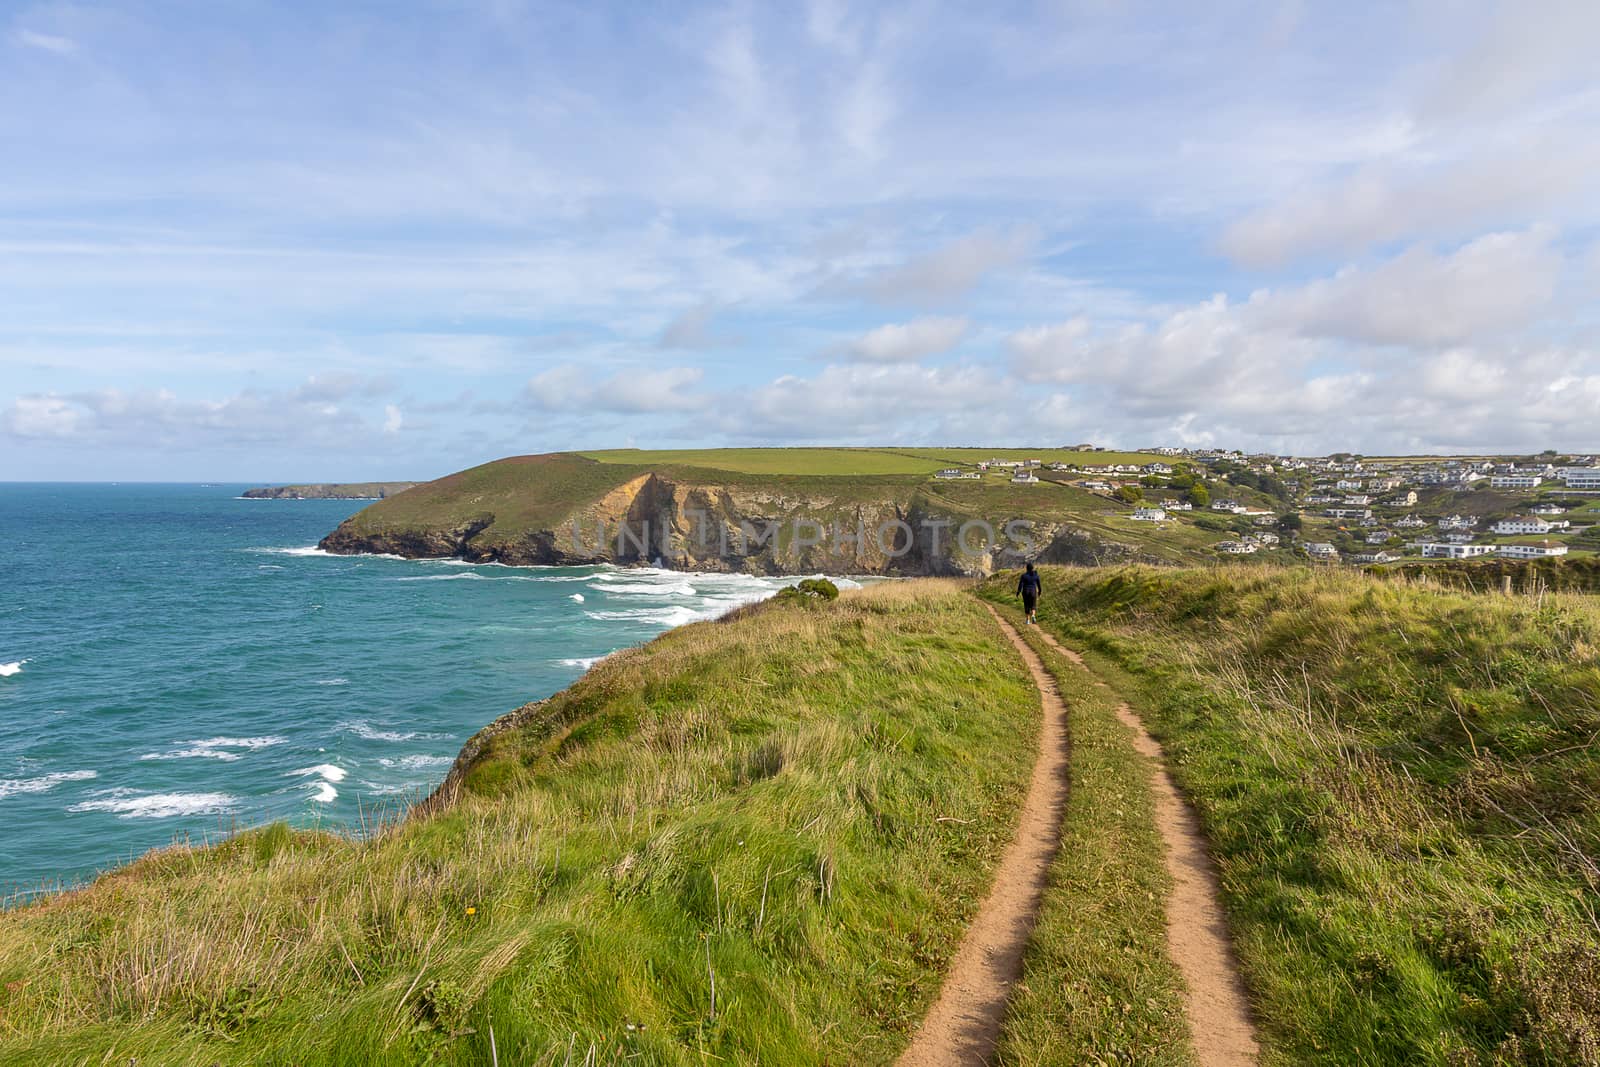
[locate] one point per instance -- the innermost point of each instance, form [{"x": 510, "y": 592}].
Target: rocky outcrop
[{"x": 697, "y": 526}]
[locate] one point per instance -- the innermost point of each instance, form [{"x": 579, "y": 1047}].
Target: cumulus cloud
[
  {"x": 1397, "y": 201},
  {"x": 1498, "y": 282},
  {"x": 571, "y": 389},
  {"x": 163, "y": 420},
  {"x": 908, "y": 342}
]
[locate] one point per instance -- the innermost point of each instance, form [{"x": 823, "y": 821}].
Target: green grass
[
  {"x": 1097, "y": 983},
  {"x": 833, "y": 462},
  {"x": 799, "y": 807},
  {"x": 1401, "y": 786},
  {"x": 519, "y": 493}
]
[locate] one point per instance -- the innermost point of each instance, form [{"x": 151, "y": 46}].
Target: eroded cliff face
[{"x": 705, "y": 527}]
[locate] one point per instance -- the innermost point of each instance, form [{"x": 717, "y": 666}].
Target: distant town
[{"x": 1341, "y": 508}]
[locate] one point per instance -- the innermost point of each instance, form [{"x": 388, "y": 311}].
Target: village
[{"x": 1333, "y": 509}]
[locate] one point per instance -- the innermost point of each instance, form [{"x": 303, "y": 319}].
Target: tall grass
[
  {"x": 754, "y": 839},
  {"x": 1401, "y": 785}
]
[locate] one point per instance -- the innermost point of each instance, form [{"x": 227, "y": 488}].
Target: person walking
[{"x": 1029, "y": 587}]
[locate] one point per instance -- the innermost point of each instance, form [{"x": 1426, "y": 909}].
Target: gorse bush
[{"x": 809, "y": 589}]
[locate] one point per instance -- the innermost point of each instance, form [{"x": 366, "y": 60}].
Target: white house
[
  {"x": 1347, "y": 483},
  {"x": 1515, "y": 481},
  {"x": 1358, "y": 499},
  {"x": 1177, "y": 505},
  {"x": 1461, "y": 537},
  {"x": 1235, "y": 548},
  {"x": 1349, "y": 513},
  {"x": 1589, "y": 480},
  {"x": 1377, "y": 537},
  {"x": 1022, "y": 477},
  {"x": 1521, "y": 525},
  {"x": 1375, "y": 557},
  {"x": 1542, "y": 550},
  {"x": 952, "y": 472},
  {"x": 1149, "y": 515},
  {"x": 1440, "y": 550},
  {"x": 1548, "y": 509},
  {"x": 1321, "y": 550},
  {"x": 1404, "y": 500},
  {"x": 1458, "y": 522}
]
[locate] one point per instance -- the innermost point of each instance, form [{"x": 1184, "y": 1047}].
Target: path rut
[
  {"x": 963, "y": 1026},
  {"x": 1197, "y": 931}
]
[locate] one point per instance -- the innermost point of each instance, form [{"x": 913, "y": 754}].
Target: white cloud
[
  {"x": 571, "y": 389},
  {"x": 1498, "y": 282},
  {"x": 939, "y": 277},
  {"x": 42, "y": 416},
  {"x": 393, "y": 419},
  {"x": 908, "y": 342},
  {"x": 691, "y": 328},
  {"x": 161, "y": 420},
  {"x": 47, "y": 42}
]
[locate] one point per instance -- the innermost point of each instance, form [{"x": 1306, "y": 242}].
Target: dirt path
[
  {"x": 963, "y": 1026},
  {"x": 1197, "y": 933}
]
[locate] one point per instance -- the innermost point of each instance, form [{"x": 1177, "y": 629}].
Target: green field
[{"x": 838, "y": 462}]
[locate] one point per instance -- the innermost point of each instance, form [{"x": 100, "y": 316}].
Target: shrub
[{"x": 808, "y": 589}]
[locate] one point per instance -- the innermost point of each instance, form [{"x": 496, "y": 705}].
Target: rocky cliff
[{"x": 852, "y": 526}]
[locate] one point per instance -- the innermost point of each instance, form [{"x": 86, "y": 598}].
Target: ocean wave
[
  {"x": 313, "y": 550},
  {"x": 331, "y": 681},
  {"x": 8, "y": 669},
  {"x": 218, "y": 748},
  {"x": 582, "y": 662},
  {"x": 417, "y": 763},
  {"x": 677, "y": 588},
  {"x": 576, "y": 597},
  {"x": 128, "y": 804},
  {"x": 43, "y": 783},
  {"x": 367, "y": 732},
  {"x": 328, "y": 772},
  {"x": 673, "y": 616}
]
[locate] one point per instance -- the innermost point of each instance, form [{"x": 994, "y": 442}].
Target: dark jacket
[{"x": 1029, "y": 584}]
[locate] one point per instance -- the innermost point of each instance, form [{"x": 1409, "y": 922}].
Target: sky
[{"x": 276, "y": 241}]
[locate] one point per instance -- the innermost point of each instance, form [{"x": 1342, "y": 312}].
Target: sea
[{"x": 177, "y": 662}]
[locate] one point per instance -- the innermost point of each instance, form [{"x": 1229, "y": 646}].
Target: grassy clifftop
[
  {"x": 760, "y": 836},
  {"x": 698, "y": 509},
  {"x": 1401, "y": 784}
]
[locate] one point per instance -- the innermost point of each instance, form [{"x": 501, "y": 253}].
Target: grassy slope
[
  {"x": 1401, "y": 786},
  {"x": 800, "y": 806},
  {"x": 521, "y": 492}
]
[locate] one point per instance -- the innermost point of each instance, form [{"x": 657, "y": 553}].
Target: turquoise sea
[{"x": 176, "y": 661}]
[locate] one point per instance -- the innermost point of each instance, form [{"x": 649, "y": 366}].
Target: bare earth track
[
  {"x": 963, "y": 1026},
  {"x": 1197, "y": 932}
]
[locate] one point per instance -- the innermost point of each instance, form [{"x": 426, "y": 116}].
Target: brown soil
[
  {"x": 1197, "y": 931},
  {"x": 963, "y": 1025}
]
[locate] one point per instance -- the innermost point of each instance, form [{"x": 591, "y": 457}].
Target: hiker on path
[{"x": 1029, "y": 587}]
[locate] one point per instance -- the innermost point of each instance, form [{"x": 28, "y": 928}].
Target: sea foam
[
  {"x": 127, "y": 804},
  {"x": 8, "y": 669},
  {"x": 42, "y": 784}
]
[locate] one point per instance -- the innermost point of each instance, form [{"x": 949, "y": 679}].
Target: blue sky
[{"x": 275, "y": 241}]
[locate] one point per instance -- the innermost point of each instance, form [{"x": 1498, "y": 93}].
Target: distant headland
[{"x": 344, "y": 491}]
